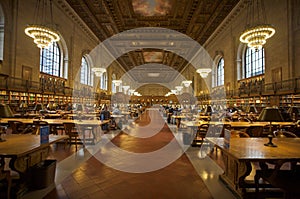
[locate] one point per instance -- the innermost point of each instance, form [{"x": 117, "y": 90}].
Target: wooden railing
[{"x": 285, "y": 87}]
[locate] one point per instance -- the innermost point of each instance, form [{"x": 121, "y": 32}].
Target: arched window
[
  {"x": 85, "y": 72},
  {"x": 103, "y": 81},
  {"x": 50, "y": 60},
  {"x": 220, "y": 73},
  {"x": 113, "y": 86},
  {"x": 1, "y": 32},
  {"x": 254, "y": 62}
]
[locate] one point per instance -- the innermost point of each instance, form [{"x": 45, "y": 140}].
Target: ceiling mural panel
[
  {"x": 198, "y": 19},
  {"x": 151, "y": 7}
]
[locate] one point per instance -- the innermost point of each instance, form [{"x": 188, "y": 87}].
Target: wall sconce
[
  {"x": 186, "y": 83},
  {"x": 203, "y": 72}
]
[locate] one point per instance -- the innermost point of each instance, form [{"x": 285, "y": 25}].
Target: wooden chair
[
  {"x": 5, "y": 175},
  {"x": 255, "y": 131},
  {"x": 218, "y": 130},
  {"x": 239, "y": 134},
  {"x": 244, "y": 119},
  {"x": 17, "y": 127},
  {"x": 37, "y": 125},
  {"x": 226, "y": 119},
  {"x": 201, "y": 133},
  {"x": 283, "y": 134},
  {"x": 287, "y": 180},
  {"x": 72, "y": 132}
]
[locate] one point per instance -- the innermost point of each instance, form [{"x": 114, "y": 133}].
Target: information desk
[{"x": 242, "y": 151}]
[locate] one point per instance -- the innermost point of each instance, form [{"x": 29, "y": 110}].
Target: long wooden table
[
  {"x": 24, "y": 152},
  {"x": 234, "y": 124},
  {"x": 242, "y": 151},
  {"x": 83, "y": 124}
]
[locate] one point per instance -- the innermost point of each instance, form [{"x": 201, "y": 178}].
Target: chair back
[
  {"x": 284, "y": 134},
  {"x": 239, "y": 134},
  {"x": 37, "y": 125},
  {"x": 243, "y": 119},
  {"x": 16, "y": 126},
  {"x": 255, "y": 131},
  {"x": 70, "y": 128}
]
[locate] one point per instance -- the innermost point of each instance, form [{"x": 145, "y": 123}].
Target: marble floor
[{"x": 124, "y": 164}]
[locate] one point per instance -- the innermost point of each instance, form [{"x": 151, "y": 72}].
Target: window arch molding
[
  {"x": 103, "y": 81},
  {"x": 218, "y": 57},
  {"x": 241, "y": 61},
  {"x": 2, "y": 26},
  {"x": 90, "y": 74},
  {"x": 63, "y": 57}
]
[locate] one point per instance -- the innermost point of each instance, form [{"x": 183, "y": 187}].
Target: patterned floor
[{"x": 120, "y": 169}]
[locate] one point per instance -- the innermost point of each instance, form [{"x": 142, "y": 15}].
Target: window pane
[
  {"x": 84, "y": 75},
  {"x": 254, "y": 62},
  {"x": 50, "y": 60},
  {"x": 220, "y": 72}
]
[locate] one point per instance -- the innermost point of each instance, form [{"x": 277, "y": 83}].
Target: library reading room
[{"x": 144, "y": 99}]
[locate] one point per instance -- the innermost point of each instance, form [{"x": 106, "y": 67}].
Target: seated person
[
  {"x": 105, "y": 115},
  {"x": 116, "y": 111}
]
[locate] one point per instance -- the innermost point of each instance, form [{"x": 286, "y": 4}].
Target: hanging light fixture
[
  {"x": 186, "y": 83},
  {"x": 117, "y": 82},
  {"x": 125, "y": 88},
  {"x": 257, "y": 30},
  {"x": 203, "y": 72},
  {"x": 99, "y": 71},
  {"x": 43, "y": 35},
  {"x": 179, "y": 88},
  {"x": 131, "y": 91}
]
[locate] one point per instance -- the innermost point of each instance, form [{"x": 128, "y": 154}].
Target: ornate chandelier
[
  {"x": 257, "y": 31},
  {"x": 257, "y": 36},
  {"x": 43, "y": 35}
]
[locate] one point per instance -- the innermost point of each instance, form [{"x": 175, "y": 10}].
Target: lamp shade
[
  {"x": 208, "y": 109},
  {"x": 251, "y": 109},
  {"x": 79, "y": 107},
  {"x": 270, "y": 114},
  {"x": 5, "y": 111}
]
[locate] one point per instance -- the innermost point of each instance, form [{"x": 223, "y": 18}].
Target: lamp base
[{"x": 270, "y": 144}]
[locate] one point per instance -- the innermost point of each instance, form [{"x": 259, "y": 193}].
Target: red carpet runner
[{"x": 96, "y": 180}]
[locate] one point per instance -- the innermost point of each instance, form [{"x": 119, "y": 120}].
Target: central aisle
[{"x": 93, "y": 179}]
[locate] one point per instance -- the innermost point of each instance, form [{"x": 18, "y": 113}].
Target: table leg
[{"x": 235, "y": 173}]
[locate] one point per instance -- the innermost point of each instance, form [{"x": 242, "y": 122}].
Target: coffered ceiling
[{"x": 195, "y": 18}]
